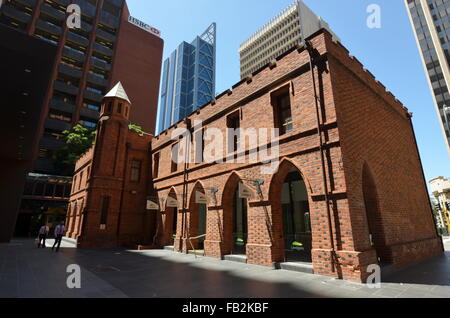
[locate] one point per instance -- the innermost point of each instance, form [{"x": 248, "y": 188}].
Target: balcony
[
  {"x": 93, "y": 96},
  {"x": 53, "y": 12},
  {"x": 48, "y": 27},
  {"x": 64, "y": 88},
  {"x": 15, "y": 14},
  {"x": 109, "y": 20},
  {"x": 27, "y": 3},
  {"x": 100, "y": 64},
  {"x": 62, "y": 106},
  {"x": 116, "y": 3},
  {"x": 64, "y": 3},
  {"x": 50, "y": 143},
  {"x": 44, "y": 166},
  {"x": 86, "y": 27},
  {"x": 70, "y": 71},
  {"x": 56, "y": 124},
  {"x": 106, "y": 36},
  {"x": 103, "y": 49},
  {"x": 77, "y": 39},
  {"x": 87, "y": 9},
  {"x": 99, "y": 81},
  {"x": 75, "y": 55},
  {"x": 89, "y": 113}
]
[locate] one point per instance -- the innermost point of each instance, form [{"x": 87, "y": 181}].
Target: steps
[
  {"x": 296, "y": 267},
  {"x": 197, "y": 252},
  {"x": 236, "y": 258}
]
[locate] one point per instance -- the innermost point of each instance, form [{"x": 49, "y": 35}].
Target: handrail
[{"x": 195, "y": 238}]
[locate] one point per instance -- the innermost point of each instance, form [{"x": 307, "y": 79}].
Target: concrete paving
[{"x": 26, "y": 271}]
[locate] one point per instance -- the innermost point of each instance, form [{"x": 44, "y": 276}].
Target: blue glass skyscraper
[{"x": 188, "y": 79}]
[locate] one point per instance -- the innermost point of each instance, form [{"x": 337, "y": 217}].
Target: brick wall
[{"x": 362, "y": 173}]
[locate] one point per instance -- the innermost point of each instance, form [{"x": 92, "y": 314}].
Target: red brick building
[
  {"x": 348, "y": 192},
  {"x": 109, "y": 186}
]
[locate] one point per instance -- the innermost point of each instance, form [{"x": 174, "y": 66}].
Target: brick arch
[
  {"x": 284, "y": 167},
  {"x": 275, "y": 189},
  {"x": 373, "y": 213},
  {"x": 169, "y": 220},
  {"x": 193, "y": 218},
  {"x": 227, "y": 205}
]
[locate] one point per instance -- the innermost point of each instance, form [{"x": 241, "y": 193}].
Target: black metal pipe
[{"x": 310, "y": 50}]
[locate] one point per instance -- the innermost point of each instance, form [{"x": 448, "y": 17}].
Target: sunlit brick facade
[{"x": 330, "y": 202}]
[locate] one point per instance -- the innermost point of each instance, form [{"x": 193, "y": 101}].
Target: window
[
  {"x": 135, "y": 170},
  {"x": 199, "y": 146},
  {"x": 105, "y": 208},
  {"x": 156, "y": 165},
  {"x": 49, "y": 190},
  {"x": 233, "y": 125},
  {"x": 282, "y": 111},
  {"x": 74, "y": 184},
  {"x": 81, "y": 179},
  {"x": 110, "y": 104},
  {"x": 174, "y": 163},
  {"x": 119, "y": 108}
]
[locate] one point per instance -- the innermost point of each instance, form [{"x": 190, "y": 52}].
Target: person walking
[
  {"x": 60, "y": 230},
  {"x": 43, "y": 232}
]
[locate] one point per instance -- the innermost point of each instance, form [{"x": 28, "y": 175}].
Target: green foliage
[
  {"x": 136, "y": 128},
  {"x": 76, "y": 142}
]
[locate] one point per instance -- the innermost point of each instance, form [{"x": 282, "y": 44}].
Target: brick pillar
[
  {"x": 259, "y": 242},
  {"x": 214, "y": 229}
]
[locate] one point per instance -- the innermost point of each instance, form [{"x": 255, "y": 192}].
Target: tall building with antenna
[
  {"x": 284, "y": 31},
  {"x": 188, "y": 79}
]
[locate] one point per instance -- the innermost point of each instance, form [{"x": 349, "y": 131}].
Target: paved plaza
[{"x": 26, "y": 271}]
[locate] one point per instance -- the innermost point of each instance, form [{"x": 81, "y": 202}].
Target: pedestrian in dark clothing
[
  {"x": 60, "y": 230},
  {"x": 43, "y": 232}
]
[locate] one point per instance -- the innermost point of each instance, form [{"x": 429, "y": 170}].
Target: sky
[{"x": 390, "y": 52}]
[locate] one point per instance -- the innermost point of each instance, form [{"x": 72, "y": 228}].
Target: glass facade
[
  {"x": 188, "y": 79},
  {"x": 434, "y": 38}
]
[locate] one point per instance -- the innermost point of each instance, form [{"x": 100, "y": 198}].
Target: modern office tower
[
  {"x": 286, "y": 30},
  {"x": 431, "y": 23},
  {"x": 110, "y": 46},
  {"x": 188, "y": 79},
  {"x": 26, "y": 68}
]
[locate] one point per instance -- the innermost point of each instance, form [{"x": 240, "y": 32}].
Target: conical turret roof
[{"x": 119, "y": 92}]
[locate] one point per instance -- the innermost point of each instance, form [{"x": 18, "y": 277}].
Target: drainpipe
[
  {"x": 310, "y": 50},
  {"x": 185, "y": 177},
  {"x": 410, "y": 115}
]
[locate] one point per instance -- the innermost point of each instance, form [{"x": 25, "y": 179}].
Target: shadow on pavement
[
  {"x": 434, "y": 271},
  {"x": 143, "y": 275}
]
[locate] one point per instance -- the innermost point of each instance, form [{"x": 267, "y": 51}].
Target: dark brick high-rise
[{"x": 89, "y": 60}]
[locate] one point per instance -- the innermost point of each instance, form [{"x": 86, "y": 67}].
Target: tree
[
  {"x": 136, "y": 128},
  {"x": 76, "y": 142}
]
